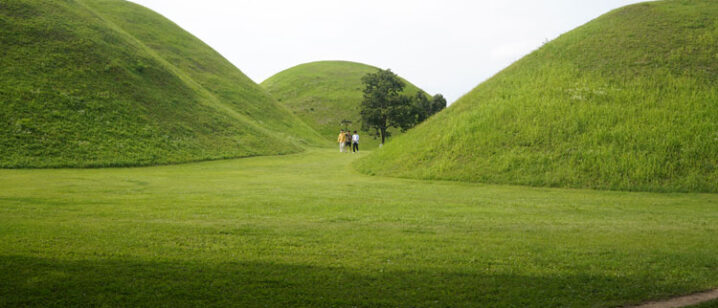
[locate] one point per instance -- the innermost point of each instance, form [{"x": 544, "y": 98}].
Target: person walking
[
  {"x": 342, "y": 139},
  {"x": 348, "y": 141},
  {"x": 355, "y": 142}
]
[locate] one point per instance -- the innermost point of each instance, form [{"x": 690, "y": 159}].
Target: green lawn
[
  {"x": 710, "y": 304},
  {"x": 307, "y": 230}
]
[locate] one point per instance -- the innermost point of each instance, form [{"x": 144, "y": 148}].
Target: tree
[
  {"x": 438, "y": 103},
  {"x": 383, "y": 105},
  {"x": 424, "y": 108}
]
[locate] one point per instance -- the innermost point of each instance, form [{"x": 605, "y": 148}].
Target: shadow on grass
[{"x": 29, "y": 281}]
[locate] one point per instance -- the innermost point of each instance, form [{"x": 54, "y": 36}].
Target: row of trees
[{"x": 385, "y": 106}]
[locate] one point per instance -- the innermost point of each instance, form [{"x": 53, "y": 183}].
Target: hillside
[
  {"x": 628, "y": 101},
  {"x": 325, "y": 93},
  {"x": 110, "y": 83}
]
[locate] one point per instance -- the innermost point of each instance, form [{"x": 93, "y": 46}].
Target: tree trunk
[{"x": 383, "y": 133}]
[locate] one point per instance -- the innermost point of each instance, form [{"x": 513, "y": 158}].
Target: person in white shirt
[{"x": 355, "y": 142}]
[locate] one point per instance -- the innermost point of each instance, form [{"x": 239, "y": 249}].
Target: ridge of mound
[
  {"x": 111, "y": 83},
  {"x": 628, "y": 101},
  {"x": 324, "y": 93}
]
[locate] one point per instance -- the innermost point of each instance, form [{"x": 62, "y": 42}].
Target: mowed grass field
[{"x": 307, "y": 230}]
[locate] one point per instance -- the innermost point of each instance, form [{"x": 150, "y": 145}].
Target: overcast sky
[{"x": 442, "y": 46}]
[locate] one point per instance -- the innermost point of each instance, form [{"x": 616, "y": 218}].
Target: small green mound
[
  {"x": 628, "y": 101},
  {"x": 110, "y": 83},
  {"x": 325, "y": 93}
]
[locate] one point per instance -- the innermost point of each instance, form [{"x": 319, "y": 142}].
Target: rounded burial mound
[
  {"x": 325, "y": 93},
  {"x": 110, "y": 83},
  {"x": 628, "y": 101}
]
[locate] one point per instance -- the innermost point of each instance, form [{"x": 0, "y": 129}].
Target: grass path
[
  {"x": 684, "y": 301},
  {"x": 307, "y": 230}
]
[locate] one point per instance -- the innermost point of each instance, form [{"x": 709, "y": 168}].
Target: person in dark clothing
[{"x": 348, "y": 140}]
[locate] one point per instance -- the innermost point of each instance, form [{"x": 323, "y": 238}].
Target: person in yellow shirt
[{"x": 342, "y": 139}]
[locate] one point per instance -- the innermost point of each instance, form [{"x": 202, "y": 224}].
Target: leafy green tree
[
  {"x": 384, "y": 106},
  {"x": 424, "y": 108},
  {"x": 438, "y": 103}
]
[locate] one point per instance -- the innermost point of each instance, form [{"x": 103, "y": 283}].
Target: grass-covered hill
[
  {"x": 111, "y": 83},
  {"x": 325, "y": 93},
  {"x": 628, "y": 101}
]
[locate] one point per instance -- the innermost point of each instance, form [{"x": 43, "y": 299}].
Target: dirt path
[{"x": 683, "y": 301}]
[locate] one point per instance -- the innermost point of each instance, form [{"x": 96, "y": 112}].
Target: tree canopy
[
  {"x": 424, "y": 108},
  {"x": 384, "y": 106}
]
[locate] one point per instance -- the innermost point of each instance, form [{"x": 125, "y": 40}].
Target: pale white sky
[{"x": 442, "y": 46}]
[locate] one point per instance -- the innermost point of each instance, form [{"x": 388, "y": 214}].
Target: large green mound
[
  {"x": 628, "y": 101},
  {"x": 110, "y": 83},
  {"x": 325, "y": 93}
]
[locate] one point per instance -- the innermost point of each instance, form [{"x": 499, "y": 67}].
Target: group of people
[{"x": 347, "y": 141}]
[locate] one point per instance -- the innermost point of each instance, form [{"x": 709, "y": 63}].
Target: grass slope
[
  {"x": 628, "y": 101},
  {"x": 306, "y": 230},
  {"x": 325, "y": 93},
  {"x": 110, "y": 83}
]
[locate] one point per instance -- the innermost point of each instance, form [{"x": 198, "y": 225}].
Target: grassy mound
[
  {"x": 325, "y": 93},
  {"x": 110, "y": 83},
  {"x": 628, "y": 101}
]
